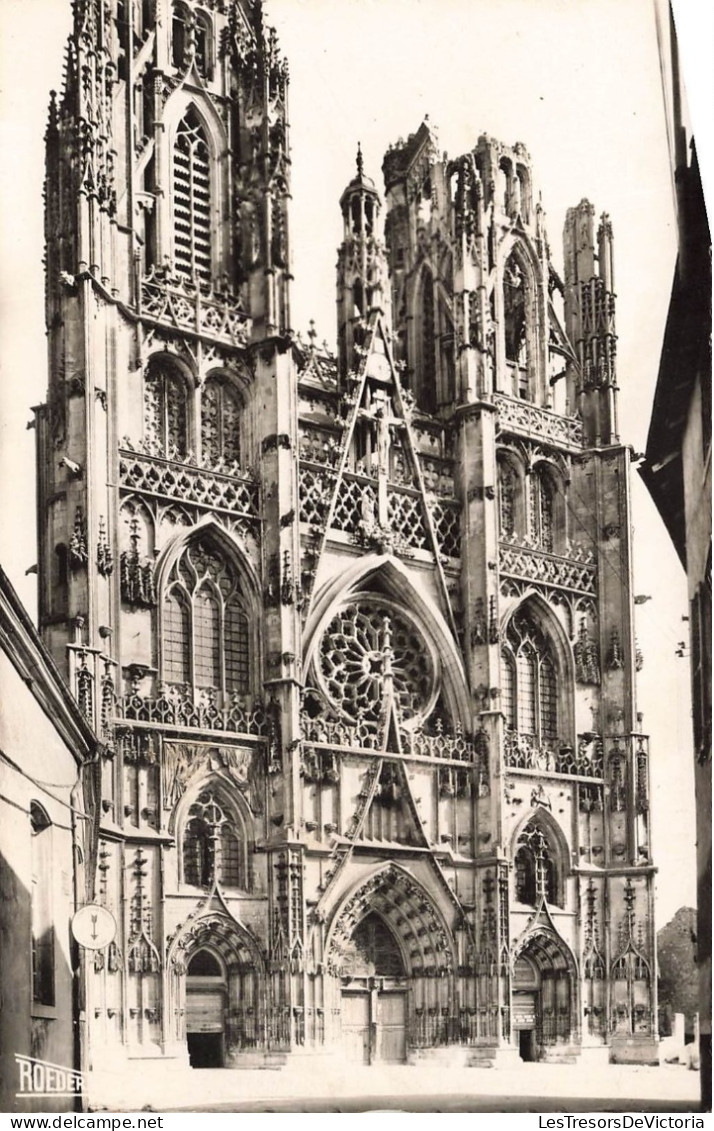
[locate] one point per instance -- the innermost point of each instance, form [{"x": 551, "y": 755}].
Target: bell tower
[{"x": 167, "y": 496}]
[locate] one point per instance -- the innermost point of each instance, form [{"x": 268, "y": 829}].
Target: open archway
[
  {"x": 392, "y": 958},
  {"x": 544, "y": 1003},
  {"x": 217, "y": 991}
]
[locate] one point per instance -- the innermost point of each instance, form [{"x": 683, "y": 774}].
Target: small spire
[{"x": 360, "y": 160}]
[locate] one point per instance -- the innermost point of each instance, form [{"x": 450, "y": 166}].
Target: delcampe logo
[{"x": 41, "y": 1078}]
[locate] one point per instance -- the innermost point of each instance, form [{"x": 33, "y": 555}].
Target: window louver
[{"x": 192, "y": 200}]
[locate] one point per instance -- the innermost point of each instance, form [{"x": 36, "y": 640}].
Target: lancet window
[
  {"x": 529, "y": 692},
  {"x": 179, "y": 35},
  {"x": 203, "y": 45},
  {"x": 535, "y": 868},
  {"x": 542, "y": 497},
  {"x": 214, "y": 845},
  {"x": 192, "y": 199},
  {"x": 514, "y": 304},
  {"x": 165, "y": 408},
  {"x": 206, "y": 638},
  {"x": 220, "y": 422},
  {"x": 427, "y": 378},
  {"x": 507, "y": 496}
]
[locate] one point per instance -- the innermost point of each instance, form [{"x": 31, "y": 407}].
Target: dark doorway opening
[
  {"x": 205, "y": 1050},
  {"x": 526, "y": 1044}
]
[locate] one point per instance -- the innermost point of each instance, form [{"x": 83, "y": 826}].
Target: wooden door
[
  {"x": 391, "y": 1027},
  {"x": 355, "y": 1027},
  {"x": 204, "y": 1010}
]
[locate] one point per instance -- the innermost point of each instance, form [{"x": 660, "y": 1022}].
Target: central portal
[{"x": 374, "y": 997}]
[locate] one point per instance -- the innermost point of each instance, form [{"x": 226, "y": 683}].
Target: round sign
[{"x": 93, "y": 926}]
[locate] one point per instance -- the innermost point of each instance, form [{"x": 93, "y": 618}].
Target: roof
[
  {"x": 685, "y": 359},
  {"x": 20, "y": 641}
]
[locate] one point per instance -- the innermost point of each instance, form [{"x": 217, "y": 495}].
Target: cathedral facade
[{"x": 355, "y": 629}]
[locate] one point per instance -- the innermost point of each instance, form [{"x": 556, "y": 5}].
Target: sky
[{"x": 576, "y": 80}]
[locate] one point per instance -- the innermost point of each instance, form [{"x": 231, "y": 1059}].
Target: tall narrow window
[
  {"x": 205, "y": 632},
  {"x": 542, "y": 509},
  {"x": 202, "y": 48},
  {"x": 220, "y": 422},
  {"x": 192, "y": 199},
  {"x": 165, "y": 409},
  {"x": 526, "y": 683},
  {"x": 507, "y": 491},
  {"x": 525, "y": 876},
  {"x": 514, "y": 303},
  {"x": 43, "y": 942},
  {"x": 206, "y": 637},
  {"x": 508, "y": 705},
  {"x": 427, "y": 377},
  {"x": 179, "y": 35},
  {"x": 176, "y": 638},
  {"x": 529, "y": 680}
]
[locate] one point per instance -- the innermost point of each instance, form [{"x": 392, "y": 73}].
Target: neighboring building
[
  {"x": 677, "y": 975},
  {"x": 359, "y": 630},
  {"x": 45, "y": 840},
  {"x": 678, "y": 473}
]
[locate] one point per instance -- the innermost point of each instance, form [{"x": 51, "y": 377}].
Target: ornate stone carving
[{"x": 530, "y": 420}]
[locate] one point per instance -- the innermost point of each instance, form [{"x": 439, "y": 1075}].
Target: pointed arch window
[
  {"x": 220, "y": 422},
  {"x": 192, "y": 199},
  {"x": 165, "y": 408},
  {"x": 205, "y": 626},
  {"x": 536, "y": 868},
  {"x": 214, "y": 844},
  {"x": 529, "y": 681}
]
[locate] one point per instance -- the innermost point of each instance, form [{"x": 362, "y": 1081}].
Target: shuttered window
[{"x": 192, "y": 200}]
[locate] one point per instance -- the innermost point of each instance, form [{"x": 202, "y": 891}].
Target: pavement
[{"x": 354, "y": 1088}]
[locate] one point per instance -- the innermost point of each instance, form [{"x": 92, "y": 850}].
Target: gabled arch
[
  {"x": 409, "y": 911},
  {"x": 547, "y": 949},
  {"x": 224, "y": 936},
  {"x": 208, "y": 526},
  {"x": 378, "y": 571}
]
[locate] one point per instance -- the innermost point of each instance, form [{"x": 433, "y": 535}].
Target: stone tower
[{"x": 356, "y": 630}]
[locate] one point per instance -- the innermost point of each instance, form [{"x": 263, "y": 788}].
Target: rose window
[{"x": 361, "y": 642}]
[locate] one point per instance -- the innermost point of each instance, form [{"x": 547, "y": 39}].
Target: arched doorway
[
  {"x": 205, "y": 1011},
  {"x": 544, "y": 997},
  {"x": 389, "y": 955},
  {"x": 374, "y": 996}
]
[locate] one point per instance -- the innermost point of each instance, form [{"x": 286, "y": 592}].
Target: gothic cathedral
[{"x": 355, "y": 629}]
